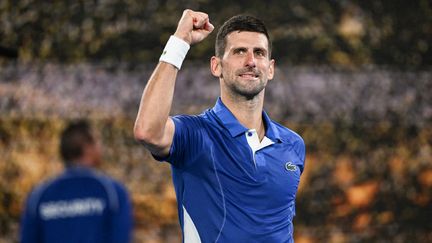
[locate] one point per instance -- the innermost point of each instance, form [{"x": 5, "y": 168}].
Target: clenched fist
[{"x": 193, "y": 27}]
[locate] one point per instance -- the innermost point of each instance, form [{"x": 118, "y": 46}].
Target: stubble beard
[{"x": 246, "y": 89}]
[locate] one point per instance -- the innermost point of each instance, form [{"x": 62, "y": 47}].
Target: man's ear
[
  {"x": 271, "y": 69},
  {"x": 215, "y": 66}
]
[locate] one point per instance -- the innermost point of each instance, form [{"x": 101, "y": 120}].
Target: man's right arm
[
  {"x": 153, "y": 126},
  {"x": 29, "y": 228}
]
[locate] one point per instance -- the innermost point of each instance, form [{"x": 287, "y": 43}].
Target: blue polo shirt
[
  {"x": 230, "y": 186},
  {"x": 80, "y": 205}
]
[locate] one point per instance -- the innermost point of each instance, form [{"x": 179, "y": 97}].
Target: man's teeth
[{"x": 249, "y": 75}]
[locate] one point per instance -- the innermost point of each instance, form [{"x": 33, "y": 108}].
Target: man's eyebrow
[
  {"x": 239, "y": 48},
  {"x": 253, "y": 48},
  {"x": 260, "y": 49}
]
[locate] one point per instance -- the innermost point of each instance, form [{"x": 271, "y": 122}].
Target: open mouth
[{"x": 249, "y": 75}]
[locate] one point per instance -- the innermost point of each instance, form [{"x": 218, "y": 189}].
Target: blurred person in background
[
  {"x": 235, "y": 171},
  {"x": 81, "y": 204}
]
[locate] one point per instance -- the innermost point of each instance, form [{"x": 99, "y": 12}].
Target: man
[
  {"x": 80, "y": 205},
  {"x": 235, "y": 171}
]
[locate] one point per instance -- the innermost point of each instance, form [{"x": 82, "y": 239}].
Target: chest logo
[{"x": 289, "y": 166}]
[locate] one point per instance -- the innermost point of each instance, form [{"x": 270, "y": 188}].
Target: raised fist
[{"x": 193, "y": 27}]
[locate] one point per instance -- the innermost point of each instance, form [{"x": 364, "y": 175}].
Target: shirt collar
[
  {"x": 78, "y": 169},
  {"x": 271, "y": 130},
  {"x": 234, "y": 127}
]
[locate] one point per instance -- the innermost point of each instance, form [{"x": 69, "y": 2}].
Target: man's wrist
[{"x": 175, "y": 51}]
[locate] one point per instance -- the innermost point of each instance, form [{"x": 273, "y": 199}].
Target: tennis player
[
  {"x": 235, "y": 171},
  {"x": 80, "y": 205}
]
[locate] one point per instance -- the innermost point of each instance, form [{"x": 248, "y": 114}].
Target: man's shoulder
[
  {"x": 37, "y": 193},
  {"x": 107, "y": 182},
  {"x": 45, "y": 185},
  {"x": 72, "y": 176},
  {"x": 110, "y": 187},
  {"x": 287, "y": 134},
  {"x": 195, "y": 119}
]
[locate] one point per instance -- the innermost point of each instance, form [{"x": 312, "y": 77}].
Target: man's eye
[
  {"x": 240, "y": 51},
  {"x": 260, "y": 53}
]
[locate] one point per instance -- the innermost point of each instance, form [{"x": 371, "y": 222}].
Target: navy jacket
[{"x": 78, "y": 206}]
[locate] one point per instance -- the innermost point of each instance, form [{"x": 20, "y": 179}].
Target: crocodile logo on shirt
[{"x": 289, "y": 166}]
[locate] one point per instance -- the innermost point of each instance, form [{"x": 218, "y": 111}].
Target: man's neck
[
  {"x": 83, "y": 162},
  {"x": 247, "y": 112}
]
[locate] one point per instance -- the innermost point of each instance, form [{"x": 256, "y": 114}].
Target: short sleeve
[{"x": 187, "y": 140}]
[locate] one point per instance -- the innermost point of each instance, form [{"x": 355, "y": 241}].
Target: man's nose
[{"x": 250, "y": 59}]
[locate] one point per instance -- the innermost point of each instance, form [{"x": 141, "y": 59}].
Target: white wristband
[{"x": 175, "y": 51}]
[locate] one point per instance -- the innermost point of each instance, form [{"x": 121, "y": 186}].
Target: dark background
[{"x": 384, "y": 32}]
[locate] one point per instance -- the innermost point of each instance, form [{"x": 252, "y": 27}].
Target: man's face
[{"x": 245, "y": 66}]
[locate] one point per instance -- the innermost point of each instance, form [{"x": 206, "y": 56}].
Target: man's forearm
[{"x": 156, "y": 103}]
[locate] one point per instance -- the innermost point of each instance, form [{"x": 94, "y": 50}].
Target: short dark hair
[
  {"x": 73, "y": 139},
  {"x": 239, "y": 23}
]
